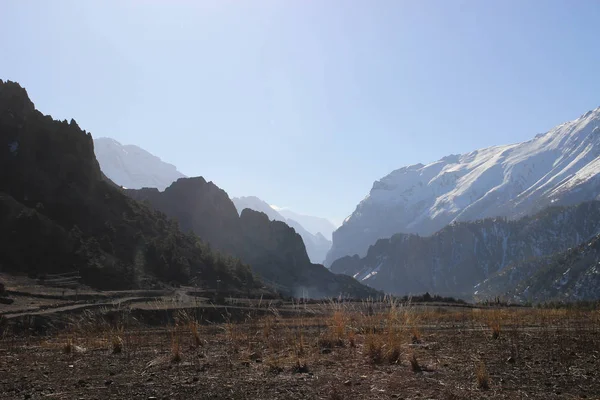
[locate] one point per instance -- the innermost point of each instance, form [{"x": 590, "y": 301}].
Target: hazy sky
[{"x": 305, "y": 103}]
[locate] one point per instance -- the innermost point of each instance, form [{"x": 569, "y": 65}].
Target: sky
[{"x": 305, "y": 103}]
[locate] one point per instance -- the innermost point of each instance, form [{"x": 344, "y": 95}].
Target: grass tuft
[
  {"x": 374, "y": 345},
  {"x": 483, "y": 378},
  {"x": 68, "y": 347},
  {"x": 117, "y": 344},
  {"x": 495, "y": 330}
]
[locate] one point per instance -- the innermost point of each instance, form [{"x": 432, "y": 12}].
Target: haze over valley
[{"x": 299, "y": 200}]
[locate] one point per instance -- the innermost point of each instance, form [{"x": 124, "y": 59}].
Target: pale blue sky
[{"x": 305, "y": 103}]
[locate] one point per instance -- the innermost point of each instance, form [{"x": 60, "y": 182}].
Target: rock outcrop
[
  {"x": 275, "y": 251},
  {"x": 317, "y": 245},
  {"x": 59, "y": 213}
]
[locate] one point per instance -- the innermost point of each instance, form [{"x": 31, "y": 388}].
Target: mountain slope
[
  {"x": 560, "y": 167},
  {"x": 133, "y": 167},
  {"x": 570, "y": 275},
  {"x": 59, "y": 213},
  {"x": 461, "y": 255},
  {"x": 256, "y": 204},
  {"x": 317, "y": 245},
  {"x": 312, "y": 224},
  {"x": 273, "y": 249}
]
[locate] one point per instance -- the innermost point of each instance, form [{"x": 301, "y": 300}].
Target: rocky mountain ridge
[
  {"x": 463, "y": 254},
  {"x": 559, "y": 167},
  {"x": 317, "y": 245},
  {"x": 59, "y": 213},
  {"x": 274, "y": 250}
]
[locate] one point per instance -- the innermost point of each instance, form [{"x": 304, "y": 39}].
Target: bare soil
[{"x": 293, "y": 351}]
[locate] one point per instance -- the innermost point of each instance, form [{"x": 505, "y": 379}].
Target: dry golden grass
[
  {"x": 175, "y": 346},
  {"x": 495, "y": 327},
  {"x": 383, "y": 334},
  {"x": 193, "y": 325},
  {"x": 117, "y": 344},
  {"x": 68, "y": 347},
  {"x": 483, "y": 378}
]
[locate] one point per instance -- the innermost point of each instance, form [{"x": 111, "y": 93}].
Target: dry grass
[
  {"x": 415, "y": 335},
  {"x": 175, "y": 347},
  {"x": 483, "y": 378},
  {"x": 117, "y": 344},
  {"x": 193, "y": 325},
  {"x": 68, "y": 346},
  {"x": 354, "y": 340},
  {"x": 495, "y": 327},
  {"x": 374, "y": 351}
]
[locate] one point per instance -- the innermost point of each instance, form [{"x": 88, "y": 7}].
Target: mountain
[
  {"x": 274, "y": 250},
  {"x": 133, "y": 167},
  {"x": 559, "y": 167},
  {"x": 312, "y": 224},
  {"x": 571, "y": 275},
  {"x": 256, "y": 204},
  {"x": 317, "y": 245},
  {"x": 461, "y": 255},
  {"x": 59, "y": 213}
]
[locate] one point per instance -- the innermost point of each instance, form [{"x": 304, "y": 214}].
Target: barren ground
[{"x": 292, "y": 351}]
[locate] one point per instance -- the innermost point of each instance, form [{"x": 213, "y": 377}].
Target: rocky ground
[{"x": 328, "y": 351}]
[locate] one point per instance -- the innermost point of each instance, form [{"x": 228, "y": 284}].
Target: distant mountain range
[
  {"x": 538, "y": 240},
  {"x": 314, "y": 225},
  {"x": 457, "y": 259},
  {"x": 275, "y": 251},
  {"x": 317, "y": 245},
  {"x": 59, "y": 213},
  {"x": 133, "y": 167},
  {"x": 559, "y": 167}
]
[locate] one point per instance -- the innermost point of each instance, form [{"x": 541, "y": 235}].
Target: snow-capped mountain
[
  {"x": 133, "y": 167},
  {"x": 317, "y": 245},
  {"x": 559, "y": 167},
  {"x": 314, "y": 225},
  {"x": 476, "y": 258}
]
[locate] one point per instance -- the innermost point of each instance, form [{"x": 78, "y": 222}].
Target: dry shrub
[
  {"x": 338, "y": 324},
  {"x": 352, "y": 339},
  {"x": 299, "y": 343},
  {"x": 495, "y": 327},
  {"x": 274, "y": 366},
  {"x": 195, "y": 333},
  {"x": 416, "y": 335},
  {"x": 68, "y": 347},
  {"x": 267, "y": 326},
  {"x": 328, "y": 341},
  {"x": 175, "y": 348},
  {"x": 483, "y": 378},
  {"x": 117, "y": 344},
  {"x": 375, "y": 346},
  {"x": 394, "y": 346},
  {"x": 393, "y": 354}
]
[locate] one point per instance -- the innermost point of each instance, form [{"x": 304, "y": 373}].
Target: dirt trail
[{"x": 76, "y": 307}]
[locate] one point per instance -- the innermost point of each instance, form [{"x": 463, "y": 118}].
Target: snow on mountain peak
[
  {"x": 507, "y": 180},
  {"x": 133, "y": 167}
]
